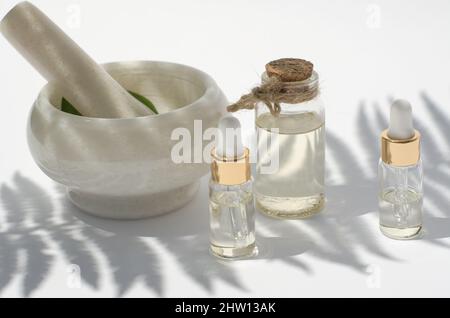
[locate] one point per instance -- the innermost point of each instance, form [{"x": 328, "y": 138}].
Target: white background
[{"x": 366, "y": 52}]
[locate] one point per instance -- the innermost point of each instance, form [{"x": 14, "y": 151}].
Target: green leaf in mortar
[
  {"x": 67, "y": 107},
  {"x": 144, "y": 101}
]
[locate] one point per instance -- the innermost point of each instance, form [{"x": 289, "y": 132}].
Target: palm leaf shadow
[
  {"x": 129, "y": 257},
  {"x": 345, "y": 206},
  {"x": 364, "y": 200},
  {"x": 29, "y": 211},
  {"x": 285, "y": 249},
  {"x": 38, "y": 262},
  {"x": 183, "y": 234},
  {"x": 435, "y": 180},
  {"x": 31, "y": 223},
  {"x": 368, "y": 136},
  {"x": 8, "y": 260},
  {"x": 31, "y": 243},
  {"x": 42, "y": 213},
  {"x": 433, "y": 158},
  {"x": 8, "y": 240},
  {"x": 190, "y": 252}
]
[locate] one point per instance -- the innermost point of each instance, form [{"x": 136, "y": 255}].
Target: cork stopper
[{"x": 290, "y": 69}]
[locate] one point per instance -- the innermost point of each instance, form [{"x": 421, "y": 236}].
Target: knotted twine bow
[{"x": 274, "y": 92}]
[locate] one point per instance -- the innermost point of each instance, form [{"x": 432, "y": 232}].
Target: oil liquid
[
  {"x": 401, "y": 213},
  {"x": 232, "y": 222},
  {"x": 293, "y": 146}
]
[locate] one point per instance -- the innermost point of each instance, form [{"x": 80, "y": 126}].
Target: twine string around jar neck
[{"x": 273, "y": 92}]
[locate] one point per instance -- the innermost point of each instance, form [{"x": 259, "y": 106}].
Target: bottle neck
[
  {"x": 400, "y": 153},
  {"x": 234, "y": 171},
  {"x": 311, "y": 83}
]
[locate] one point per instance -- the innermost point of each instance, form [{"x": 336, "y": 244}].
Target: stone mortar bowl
[{"x": 122, "y": 168}]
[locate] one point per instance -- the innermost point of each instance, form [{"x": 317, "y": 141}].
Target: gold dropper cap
[
  {"x": 400, "y": 153},
  {"x": 231, "y": 171}
]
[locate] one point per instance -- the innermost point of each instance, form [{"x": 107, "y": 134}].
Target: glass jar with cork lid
[{"x": 290, "y": 124}]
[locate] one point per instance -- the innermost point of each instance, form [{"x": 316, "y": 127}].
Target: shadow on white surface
[{"x": 41, "y": 225}]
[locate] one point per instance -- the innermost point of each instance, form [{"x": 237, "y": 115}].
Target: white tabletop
[{"x": 366, "y": 52}]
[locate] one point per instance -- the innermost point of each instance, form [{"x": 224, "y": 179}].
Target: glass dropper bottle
[
  {"x": 232, "y": 212},
  {"x": 401, "y": 176}
]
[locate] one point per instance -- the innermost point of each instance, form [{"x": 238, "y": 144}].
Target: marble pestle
[{"x": 63, "y": 63}]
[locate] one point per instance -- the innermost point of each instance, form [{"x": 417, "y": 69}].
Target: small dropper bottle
[
  {"x": 232, "y": 212},
  {"x": 401, "y": 176}
]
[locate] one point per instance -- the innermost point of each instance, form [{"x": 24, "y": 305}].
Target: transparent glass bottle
[
  {"x": 290, "y": 171},
  {"x": 401, "y": 175},
  {"x": 231, "y": 201},
  {"x": 232, "y": 220},
  {"x": 401, "y": 200}
]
